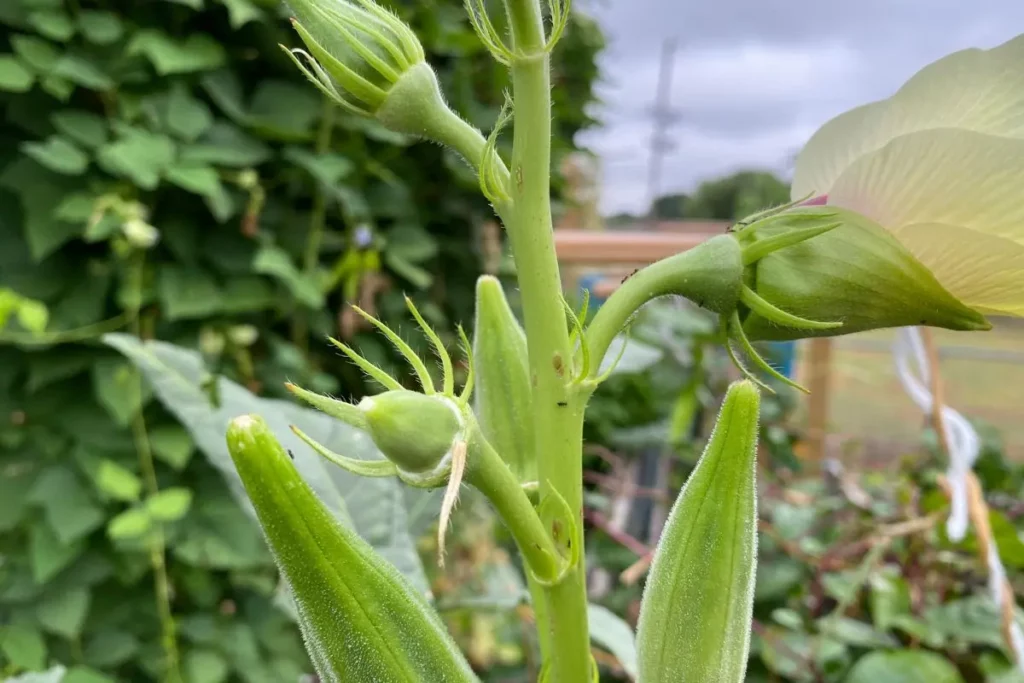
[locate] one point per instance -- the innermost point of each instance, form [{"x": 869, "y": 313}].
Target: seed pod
[
  {"x": 857, "y": 274},
  {"x": 696, "y": 610},
  {"x": 361, "y": 621},
  {"x": 502, "y": 392}
]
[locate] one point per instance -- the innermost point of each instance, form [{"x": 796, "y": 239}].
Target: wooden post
[{"x": 819, "y": 380}]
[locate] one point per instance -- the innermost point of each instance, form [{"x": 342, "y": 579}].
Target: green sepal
[
  {"x": 697, "y": 605},
  {"x": 361, "y": 620},
  {"x": 346, "y": 412},
  {"x": 502, "y": 376},
  {"x": 563, "y": 529},
  {"x": 364, "y": 468},
  {"x": 857, "y": 274}
]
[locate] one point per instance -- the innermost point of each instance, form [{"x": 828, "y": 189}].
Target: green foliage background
[{"x": 184, "y": 116}]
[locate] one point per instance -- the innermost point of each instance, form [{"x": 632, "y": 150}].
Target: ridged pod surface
[
  {"x": 502, "y": 394},
  {"x": 695, "y": 616},
  {"x": 361, "y": 621}
]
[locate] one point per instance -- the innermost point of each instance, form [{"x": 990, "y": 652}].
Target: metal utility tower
[{"x": 664, "y": 116}]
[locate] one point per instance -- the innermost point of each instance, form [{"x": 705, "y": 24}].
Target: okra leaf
[{"x": 376, "y": 509}]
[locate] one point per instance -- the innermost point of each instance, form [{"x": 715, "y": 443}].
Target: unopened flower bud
[
  {"x": 370, "y": 63},
  {"x": 856, "y": 274},
  {"x": 412, "y": 430}
]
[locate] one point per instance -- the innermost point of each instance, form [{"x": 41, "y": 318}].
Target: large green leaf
[
  {"x": 69, "y": 509},
  {"x": 199, "y": 52},
  {"x": 138, "y": 155},
  {"x": 63, "y": 612},
  {"x": 55, "y": 675},
  {"x": 609, "y": 631},
  {"x": 40, "y": 191},
  {"x": 48, "y": 554},
  {"x": 376, "y": 508},
  {"x": 274, "y": 261},
  {"x": 226, "y": 145},
  {"x": 23, "y": 646},
  {"x": 974, "y": 620},
  {"x": 188, "y": 293},
  {"x": 83, "y": 127},
  {"x": 242, "y": 12},
  {"x": 100, "y": 27},
  {"x": 13, "y": 76},
  {"x": 57, "y": 154},
  {"x": 903, "y": 666}
]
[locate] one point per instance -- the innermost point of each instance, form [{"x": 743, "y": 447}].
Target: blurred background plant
[{"x": 165, "y": 172}]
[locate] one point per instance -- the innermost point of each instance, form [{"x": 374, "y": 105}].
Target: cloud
[{"x": 755, "y": 78}]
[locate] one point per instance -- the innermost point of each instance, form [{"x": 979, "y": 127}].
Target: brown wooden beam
[{"x": 594, "y": 248}]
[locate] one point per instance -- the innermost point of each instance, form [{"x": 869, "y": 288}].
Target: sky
[{"x": 753, "y": 79}]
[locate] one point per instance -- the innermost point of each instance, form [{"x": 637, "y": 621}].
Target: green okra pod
[
  {"x": 361, "y": 621},
  {"x": 502, "y": 396},
  {"x": 696, "y": 610}
]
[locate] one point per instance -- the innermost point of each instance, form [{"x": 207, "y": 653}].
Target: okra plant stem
[
  {"x": 494, "y": 479},
  {"x": 558, "y": 415},
  {"x": 453, "y": 131}
]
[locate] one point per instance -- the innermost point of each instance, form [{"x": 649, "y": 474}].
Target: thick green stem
[
  {"x": 538, "y": 601},
  {"x": 710, "y": 275},
  {"x": 558, "y": 417},
  {"x": 495, "y": 480},
  {"x": 452, "y": 131}
]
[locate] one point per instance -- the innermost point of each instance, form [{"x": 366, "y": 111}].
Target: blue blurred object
[
  {"x": 784, "y": 355},
  {"x": 587, "y": 284}
]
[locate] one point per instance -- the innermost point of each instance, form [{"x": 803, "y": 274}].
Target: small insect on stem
[
  {"x": 290, "y": 454},
  {"x": 631, "y": 274}
]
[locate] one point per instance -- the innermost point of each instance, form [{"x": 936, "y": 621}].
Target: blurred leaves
[{"x": 181, "y": 119}]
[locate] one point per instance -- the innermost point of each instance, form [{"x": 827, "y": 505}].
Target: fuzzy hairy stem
[{"x": 558, "y": 416}]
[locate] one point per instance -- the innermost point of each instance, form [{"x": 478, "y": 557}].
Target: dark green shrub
[{"x": 182, "y": 122}]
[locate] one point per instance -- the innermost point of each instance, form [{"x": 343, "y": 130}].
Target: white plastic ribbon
[
  {"x": 964, "y": 447},
  {"x": 964, "y": 444}
]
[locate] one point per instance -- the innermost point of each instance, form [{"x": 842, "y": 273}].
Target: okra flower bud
[
  {"x": 414, "y": 431},
  {"x": 790, "y": 273},
  {"x": 418, "y": 434},
  {"x": 370, "y": 63},
  {"x": 939, "y": 165},
  {"x": 431, "y": 439},
  {"x": 856, "y": 274}
]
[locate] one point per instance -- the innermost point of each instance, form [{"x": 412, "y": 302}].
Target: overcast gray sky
[{"x": 755, "y": 78}]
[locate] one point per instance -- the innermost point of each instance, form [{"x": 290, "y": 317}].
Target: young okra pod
[
  {"x": 696, "y": 610},
  {"x": 361, "y": 621}
]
